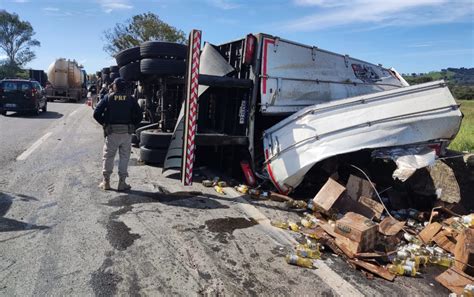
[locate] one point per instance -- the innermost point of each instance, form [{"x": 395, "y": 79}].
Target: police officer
[{"x": 118, "y": 113}]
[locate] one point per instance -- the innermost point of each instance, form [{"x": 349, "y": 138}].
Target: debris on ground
[{"x": 386, "y": 227}]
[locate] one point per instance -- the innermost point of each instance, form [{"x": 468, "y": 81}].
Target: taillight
[
  {"x": 34, "y": 92},
  {"x": 250, "y": 44}
]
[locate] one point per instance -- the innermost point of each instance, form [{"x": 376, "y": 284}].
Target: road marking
[
  {"x": 32, "y": 148},
  {"x": 324, "y": 272},
  {"x": 73, "y": 113}
]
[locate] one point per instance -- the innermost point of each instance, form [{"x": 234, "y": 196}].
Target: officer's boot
[
  {"x": 122, "y": 185},
  {"x": 105, "y": 184}
]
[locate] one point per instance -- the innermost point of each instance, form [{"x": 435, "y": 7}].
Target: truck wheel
[
  {"x": 135, "y": 141},
  {"x": 156, "y": 49},
  {"x": 152, "y": 156},
  {"x": 155, "y": 140},
  {"x": 127, "y": 56},
  {"x": 130, "y": 72},
  {"x": 114, "y": 75},
  {"x": 105, "y": 70},
  {"x": 114, "y": 68},
  {"x": 3, "y": 112},
  {"x": 105, "y": 78},
  {"x": 163, "y": 67}
]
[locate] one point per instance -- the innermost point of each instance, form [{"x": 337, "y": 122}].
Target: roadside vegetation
[{"x": 464, "y": 141}]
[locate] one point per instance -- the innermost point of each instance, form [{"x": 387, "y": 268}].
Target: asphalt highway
[{"x": 60, "y": 235}]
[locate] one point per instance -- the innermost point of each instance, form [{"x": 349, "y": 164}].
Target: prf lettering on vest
[{"x": 120, "y": 97}]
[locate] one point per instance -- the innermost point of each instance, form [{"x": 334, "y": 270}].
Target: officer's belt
[{"x": 118, "y": 129}]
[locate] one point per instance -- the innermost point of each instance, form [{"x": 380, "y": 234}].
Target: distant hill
[{"x": 460, "y": 80}]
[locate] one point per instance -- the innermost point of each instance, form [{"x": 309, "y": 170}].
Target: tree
[
  {"x": 138, "y": 29},
  {"x": 16, "y": 41}
]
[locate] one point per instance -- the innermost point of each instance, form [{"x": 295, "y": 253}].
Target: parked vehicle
[
  {"x": 22, "y": 96},
  {"x": 67, "y": 80}
]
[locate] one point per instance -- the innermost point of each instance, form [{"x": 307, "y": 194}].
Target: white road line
[
  {"x": 324, "y": 272},
  {"x": 32, "y": 148},
  {"x": 73, "y": 113}
]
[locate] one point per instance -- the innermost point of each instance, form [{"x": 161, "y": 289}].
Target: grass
[{"x": 464, "y": 141}]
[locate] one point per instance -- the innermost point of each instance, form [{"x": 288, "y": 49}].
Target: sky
[{"x": 409, "y": 35}]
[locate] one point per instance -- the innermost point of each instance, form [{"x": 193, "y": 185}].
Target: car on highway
[{"x": 22, "y": 95}]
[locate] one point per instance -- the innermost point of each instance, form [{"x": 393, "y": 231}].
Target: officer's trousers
[{"x": 113, "y": 142}]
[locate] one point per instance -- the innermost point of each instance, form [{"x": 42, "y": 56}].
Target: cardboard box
[
  {"x": 427, "y": 234},
  {"x": 357, "y": 187},
  {"x": 464, "y": 252},
  {"x": 455, "y": 280},
  {"x": 445, "y": 240},
  {"x": 358, "y": 229},
  {"x": 375, "y": 206},
  {"x": 328, "y": 195}
]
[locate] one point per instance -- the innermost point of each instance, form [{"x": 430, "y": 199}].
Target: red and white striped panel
[{"x": 191, "y": 107}]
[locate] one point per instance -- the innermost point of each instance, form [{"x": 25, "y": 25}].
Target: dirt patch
[
  {"x": 103, "y": 281},
  {"x": 229, "y": 225},
  {"x": 119, "y": 236}
]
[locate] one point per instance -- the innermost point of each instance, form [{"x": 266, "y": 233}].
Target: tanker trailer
[{"x": 66, "y": 81}]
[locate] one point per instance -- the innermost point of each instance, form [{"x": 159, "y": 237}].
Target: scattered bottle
[
  {"x": 254, "y": 193},
  {"x": 442, "y": 260},
  {"x": 293, "y": 226},
  {"x": 468, "y": 291},
  {"x": 298, "y": 204},
  {"x": 306, "y": 252},
  {"x": 222, "y": 184},
  {"x": 468, "y": 220},
  {"x": 412, "y": 239},
  {"x": 219, "y": 189},
  {"x": 401, "y": 269},
  {"x": 280, "y": 224},
  {"x": 299, "y": 261},
  {"x": 420, "y": 260},
  {"x": 242, "y": 189}
]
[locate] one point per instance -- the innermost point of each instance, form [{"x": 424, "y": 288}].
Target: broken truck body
[{"x": 303, "y": 101}]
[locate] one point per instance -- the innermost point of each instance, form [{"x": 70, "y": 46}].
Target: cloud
[
  {"x": 224, "y": 4},
  {"x": 380, "y": 13},
  {"x": 110, "y": 5},
  {"x": 51, "y": 9},
  {"x": 21, "y": 1}
]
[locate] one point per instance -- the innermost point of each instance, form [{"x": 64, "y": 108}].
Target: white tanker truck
[{"x": 67, "y": 80}]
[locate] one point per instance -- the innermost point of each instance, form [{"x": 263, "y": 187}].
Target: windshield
[{"x": 14, "y": 86}]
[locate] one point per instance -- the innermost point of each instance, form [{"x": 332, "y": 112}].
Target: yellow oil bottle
[
  {"x": 299, "y": 261},
  {"x": 401, "y": 269},
  {"x": 306, "y": 252}
]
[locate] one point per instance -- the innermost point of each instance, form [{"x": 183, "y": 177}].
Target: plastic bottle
[
  {"x": 280, "y": 224},
  {"x": 242, "y": 189},
  {"x": 442, "y": 260},
  {"x": 298, "y": 261},
  {"x": 307, "y": 252},
  {"x": 293, "y": 226},
  {"x": 468, "y": 291},
  {"x": 219, "y": 189},
  {"x": 468, "y": 220},
  {"x": 420, "y": 260},
  {"x": 299, "y": 204},
  {"x": 401, "y": 269}
]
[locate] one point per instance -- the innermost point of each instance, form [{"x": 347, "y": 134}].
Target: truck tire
[
  {"x": 114, "y": 75},
  {"x": 157, "y": 49},
  {"x": 130, "y": 72},
  {"x": 105, "y": 70},
  {"x": 127, "y": 56},
  {"x": 105, "y": 78},
  {"x": 163, "y": 67},
  {"x": 114, "y": 68},
  {"x": 152, "y": 156},
  {"x": 155, "y": 140},
  {"x": 135, "y": 141},
  {"x": 98, "y": 74}
]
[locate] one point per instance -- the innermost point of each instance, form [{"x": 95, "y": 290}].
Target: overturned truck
[{"x": 285, "y": 106}]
